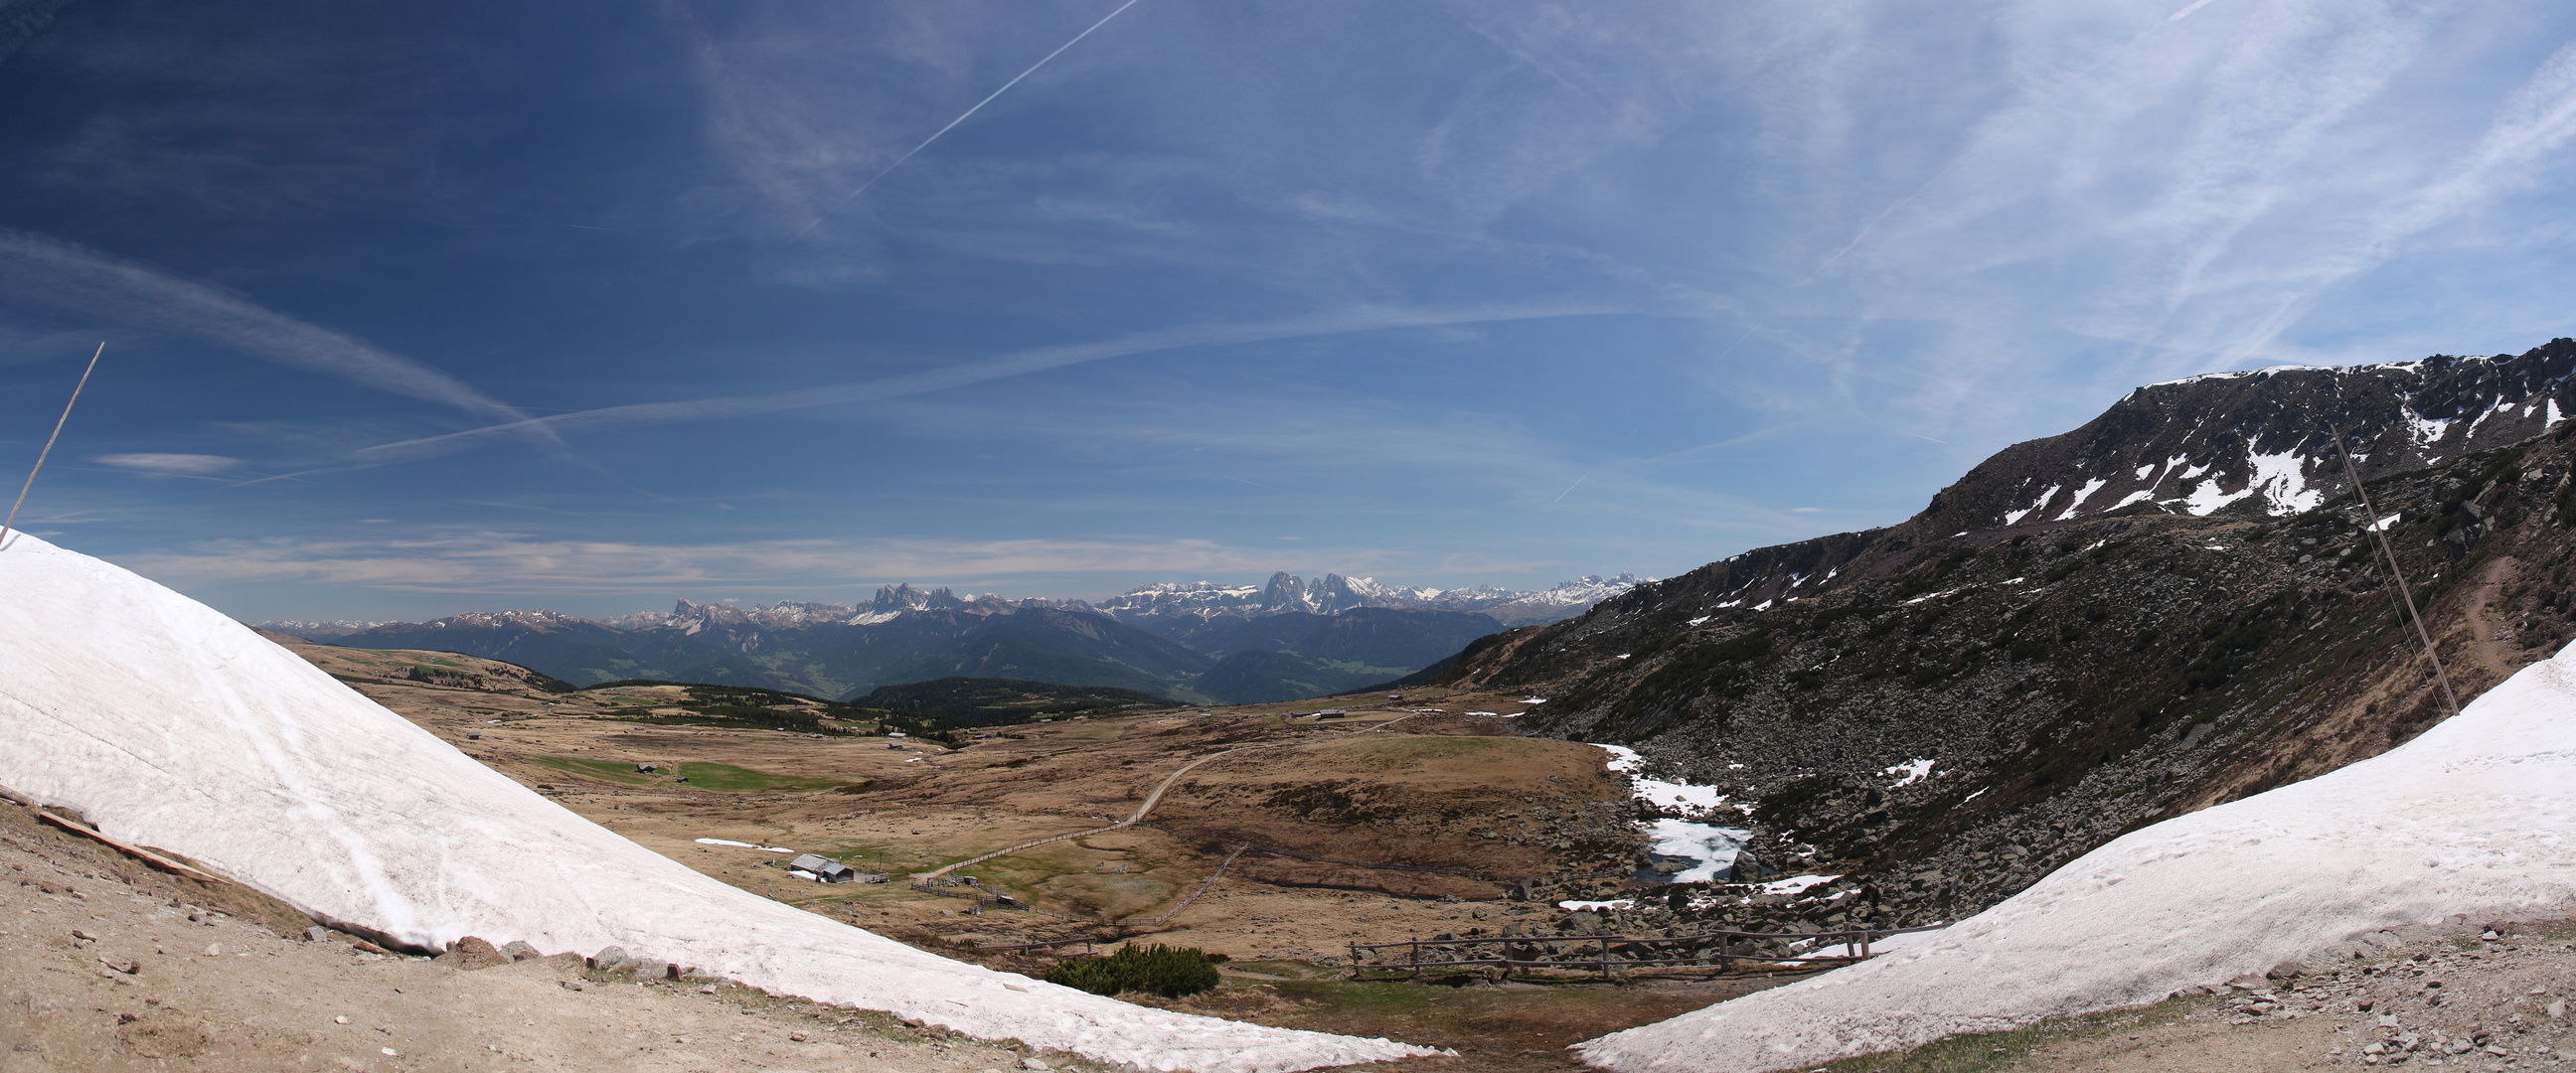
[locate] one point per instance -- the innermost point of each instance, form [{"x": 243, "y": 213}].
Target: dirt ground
[{"x": 2439, "y": 997}]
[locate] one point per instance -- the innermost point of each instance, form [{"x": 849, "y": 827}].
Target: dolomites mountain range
[{"x": 1199, "y": 642}]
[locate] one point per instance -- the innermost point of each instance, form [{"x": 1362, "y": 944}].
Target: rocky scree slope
[{"x": 2067, "y": 681}]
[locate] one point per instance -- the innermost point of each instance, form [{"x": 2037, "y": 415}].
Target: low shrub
[{"x": 1169, "y": 971}]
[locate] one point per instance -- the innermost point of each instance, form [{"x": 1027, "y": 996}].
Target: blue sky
[{"x": 413, "y": 309}]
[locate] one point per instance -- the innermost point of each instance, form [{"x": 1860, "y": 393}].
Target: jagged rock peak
[{"x": 904, "y": 597}]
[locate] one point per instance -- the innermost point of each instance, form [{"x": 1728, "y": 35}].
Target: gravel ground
[{"x": 2488, "y": 996}]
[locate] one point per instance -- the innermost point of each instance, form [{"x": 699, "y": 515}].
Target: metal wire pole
[
  {"x": 2370, "y": 517},
  {"x": 49, "y": 444}
]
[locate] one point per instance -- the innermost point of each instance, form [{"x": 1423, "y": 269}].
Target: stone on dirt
[{"x": 473, "y": 952}]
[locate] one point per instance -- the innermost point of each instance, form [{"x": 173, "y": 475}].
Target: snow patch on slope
[
  {"x": 2475, "y": 816},
  {"x": 2014, "y": 517},
  {"x": 2427, "y": 430},
  {"x": 1914, "y": 771},
  {"x": 168, "y": 724},
  {"x": 2281, "y": 480},
  {"x": 2090, "y": 487}
]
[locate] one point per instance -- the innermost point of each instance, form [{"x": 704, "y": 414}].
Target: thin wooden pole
[
  {"x": 2370, "y": 517},
  {"x": 49, "y": 444}
]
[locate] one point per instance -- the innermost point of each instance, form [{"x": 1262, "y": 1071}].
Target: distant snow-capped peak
[{"x": 1335, "y": 593}]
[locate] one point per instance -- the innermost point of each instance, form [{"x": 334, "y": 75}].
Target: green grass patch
[
  {"x": 1169, "y": 971},
  {"x": 724, "y": 778},
  {"x": 731, "y": 779},
  {"x": 1407, "y": 1000}
]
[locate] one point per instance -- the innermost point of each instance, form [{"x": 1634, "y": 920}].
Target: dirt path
[
  {"x": 1131, "y": 821},
  {"x": 2482, "y": 630}
]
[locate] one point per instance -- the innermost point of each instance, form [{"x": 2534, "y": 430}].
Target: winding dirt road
[{"x": 1150, "y": 800}]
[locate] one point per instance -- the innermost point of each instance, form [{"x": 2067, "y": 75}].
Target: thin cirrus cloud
[
  {"x": 2204, "y": 202},
  {"x": 1016, "y": 363},
  {"x": 66, "y": 275},
  {"x": 157, "y": 464},
  {"x": 492, "y": 563},
  {"x": 2538, "y": 120}
]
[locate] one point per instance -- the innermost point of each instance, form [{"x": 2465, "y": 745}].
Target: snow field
[
  {"x": 2476, "y": 816},
  {"x": 170, "y": 725}
]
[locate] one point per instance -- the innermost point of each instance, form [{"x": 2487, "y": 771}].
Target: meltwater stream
[{"x": 1706, "y": 849}]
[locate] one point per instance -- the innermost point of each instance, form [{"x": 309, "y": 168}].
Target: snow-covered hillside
[
  {"x": 2476, "y": 816},
  {"x": 168, "y": 724}
]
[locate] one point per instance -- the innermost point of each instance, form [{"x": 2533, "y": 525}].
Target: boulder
[{"x": 473, "y": 952}]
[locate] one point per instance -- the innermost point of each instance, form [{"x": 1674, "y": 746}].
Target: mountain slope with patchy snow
[
  {"x": 168, "y": 724},
  {"x": 2476, "y": 816},
  {"x": 2262, "y": 442}
]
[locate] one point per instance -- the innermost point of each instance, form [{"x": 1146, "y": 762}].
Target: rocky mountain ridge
[
  {"x": 2262, "y": 442},
  {"x": 1943, "y": 711}
]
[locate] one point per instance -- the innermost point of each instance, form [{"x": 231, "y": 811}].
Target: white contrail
[
  {"x": 979, "y": 105},
  {"x": 2195, "y": 6},
  {"x": 76, "y": 277},
  {"x": 974, "y": 372}
]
